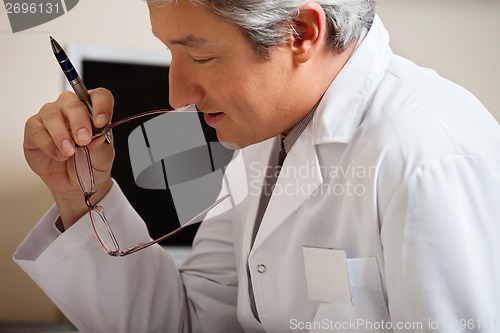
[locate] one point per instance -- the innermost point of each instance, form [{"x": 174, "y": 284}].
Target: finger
[
  {"x": 77, "y": 118},
  {"x": 102, "y": 155},
  {"x": 102, "y": 106},
  {"x": 55, "y": 124},
  {"x": 36, "y": 137}
]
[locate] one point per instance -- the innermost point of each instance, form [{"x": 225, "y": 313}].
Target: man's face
[{"x": 246, "y": 99}]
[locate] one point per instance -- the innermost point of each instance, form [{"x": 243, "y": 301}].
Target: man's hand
[{"x": 50, "y": 137}]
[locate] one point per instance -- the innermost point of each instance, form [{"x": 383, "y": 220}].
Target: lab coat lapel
[
  {"x": 300, "y": 176},
  {"x": 336, "y": 119}
]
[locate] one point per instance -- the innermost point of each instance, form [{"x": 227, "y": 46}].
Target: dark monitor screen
[{"x": 139, "y": 87}]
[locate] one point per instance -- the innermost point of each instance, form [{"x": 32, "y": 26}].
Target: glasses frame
[{"x": 89, "y": 188}]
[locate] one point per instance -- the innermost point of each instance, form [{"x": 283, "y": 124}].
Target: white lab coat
[{"x": 399, "y": 168}]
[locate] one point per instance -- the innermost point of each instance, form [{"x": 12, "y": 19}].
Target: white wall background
[{"x": 458, "y": 38}]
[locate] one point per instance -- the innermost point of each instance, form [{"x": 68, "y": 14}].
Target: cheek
[
  {"x": 254, "y": 97},
  {"x": 257, "y": 103},
  {"x": 258, "y": 91}
]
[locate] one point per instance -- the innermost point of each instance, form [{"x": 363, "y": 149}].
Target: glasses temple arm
[
  {"x": 104, "y": 130},
  {"x": 191, "y": 221}
]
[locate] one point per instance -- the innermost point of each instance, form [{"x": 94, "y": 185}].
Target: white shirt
[{"x": 399, "y": 170}]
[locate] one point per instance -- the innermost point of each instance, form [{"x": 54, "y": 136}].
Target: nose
[{"x": 184, "y": 88}]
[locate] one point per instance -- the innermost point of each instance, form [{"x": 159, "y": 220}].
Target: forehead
[
  {"x": 160, "y": 2},
  {"x": 189, "y": 40},
  {"x": 188, "y": 24}
]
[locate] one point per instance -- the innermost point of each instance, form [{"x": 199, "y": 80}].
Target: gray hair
[{"x": 268, "y": 23}]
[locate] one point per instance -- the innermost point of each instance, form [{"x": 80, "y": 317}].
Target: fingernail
[
  {"x": 66, "y": 147},
  {"x": 101, "y": 119},
  {"x": 83, "y": 134}
]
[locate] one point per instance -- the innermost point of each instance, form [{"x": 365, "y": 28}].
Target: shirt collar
[{"x": 291, "y": 138}]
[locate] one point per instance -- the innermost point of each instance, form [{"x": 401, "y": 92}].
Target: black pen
[{"x": 73, "y": 78}]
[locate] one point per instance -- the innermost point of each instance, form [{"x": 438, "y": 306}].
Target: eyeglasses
[{"x": 100, "y": 225}]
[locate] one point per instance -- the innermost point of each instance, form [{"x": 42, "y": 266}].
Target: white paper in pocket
[{"x": 327, "y": 275}]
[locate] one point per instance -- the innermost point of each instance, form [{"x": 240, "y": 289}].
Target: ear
[{"x": 310, "y": 26}]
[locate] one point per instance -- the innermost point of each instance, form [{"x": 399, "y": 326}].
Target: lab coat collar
[
  {"x": 339, "y": 114},
  {"x": 299, "y": 178},
  {"x": 344, "y": 104}
]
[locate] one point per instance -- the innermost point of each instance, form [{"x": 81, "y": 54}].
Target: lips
[{"x": 213, "y": 118}]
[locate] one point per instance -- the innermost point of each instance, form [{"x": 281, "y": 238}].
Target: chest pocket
[{"x": 368, "y": 312}]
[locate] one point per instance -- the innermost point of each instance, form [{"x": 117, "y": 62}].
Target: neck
[{"x": 317, "y": 76}]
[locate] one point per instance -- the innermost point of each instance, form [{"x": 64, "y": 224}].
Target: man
[{"x": 384, "y": 216}]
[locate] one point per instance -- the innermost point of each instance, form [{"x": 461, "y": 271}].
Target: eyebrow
[{"x": 189, "y": 40}]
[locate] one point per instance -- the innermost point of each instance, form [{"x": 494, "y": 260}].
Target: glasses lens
[
  {"x": 83, "y": 169},
  {"x": 103, "y": 230}
]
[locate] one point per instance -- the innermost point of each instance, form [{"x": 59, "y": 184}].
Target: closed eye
[{"x": 202, "y": 61}]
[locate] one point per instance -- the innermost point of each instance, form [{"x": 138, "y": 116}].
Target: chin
[
  {"x": 231, "y": 145},
  {"x": 230, "y": 142},
  {"x": 234, "y": 141}
]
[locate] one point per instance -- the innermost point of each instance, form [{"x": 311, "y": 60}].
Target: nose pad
[{"x": 189, "y": 107}]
